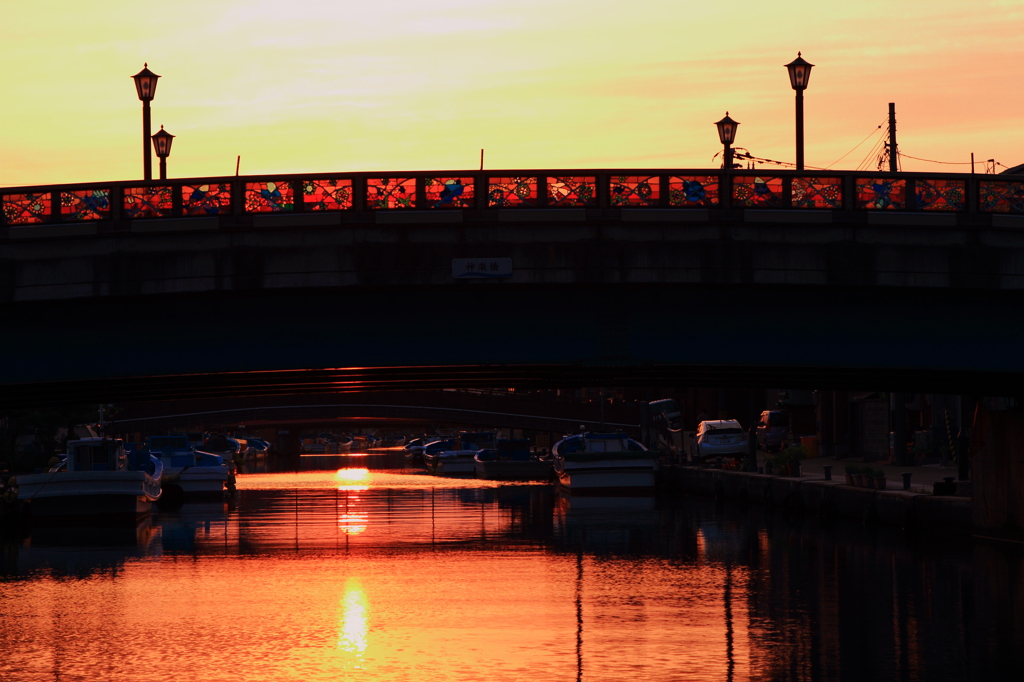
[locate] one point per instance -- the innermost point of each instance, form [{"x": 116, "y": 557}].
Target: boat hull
[
  {"x": 631, "y": 476},
  {"x": 514, "y": 471},
  {"x": 89, "y": 497},
  {"x": 198, "y": 483}
]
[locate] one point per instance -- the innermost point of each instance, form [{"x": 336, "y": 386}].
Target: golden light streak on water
[{"x": 354, "y": 624}]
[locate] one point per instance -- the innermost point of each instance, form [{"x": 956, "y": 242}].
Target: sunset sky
[{"x": 339, "y": 85}]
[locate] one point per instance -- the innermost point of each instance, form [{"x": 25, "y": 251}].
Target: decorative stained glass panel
[
  {"x": 504, "y": 192},
  {"x": 693, "y": 190},
  {"x": 939, "y": 195},
  {"x": 572, "y": 191},
  {"x": 85, "y": 204},
  {"x": 391, "y": 193},
  {"x": 757, "y": 190},
  {"x": 881, "y": 193},
  {"x": 634, "y": 190},
  {"x": 206, "y": 199},
  {"x": 26, "y": 209},
  {"x": 327, "y": 195},
  {"x": 817, "y": 192},
  {"x": 269, "y": 197},
  {"x": 997, "y": 197},
  {"x": 451, "y": 192},
  {"x": 147, "y": 202}
]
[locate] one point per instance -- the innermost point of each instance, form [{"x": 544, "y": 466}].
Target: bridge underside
[{"x": 487, "y": 333}]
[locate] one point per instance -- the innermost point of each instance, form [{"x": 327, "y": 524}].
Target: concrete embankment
[{"x": 826, "y": 498}]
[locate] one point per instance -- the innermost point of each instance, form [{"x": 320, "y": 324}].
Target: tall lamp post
[
  {"x": 145, "y": 86},
  {"x": 727, "y": 135},
  {"x": 799, "y": 74},
  {"x": 162, "y": 143}
]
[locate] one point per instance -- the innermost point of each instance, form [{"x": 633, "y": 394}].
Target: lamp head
[
  {"x": 799, "y": 72},
  {"x": 162, "y": 143},
  {"x": 145, "y": 83},
  {"x": 727, "y": 129}
]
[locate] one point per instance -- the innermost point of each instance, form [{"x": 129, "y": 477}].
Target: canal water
[{"x": 356, "y": 573}]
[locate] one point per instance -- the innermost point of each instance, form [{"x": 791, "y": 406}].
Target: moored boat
[
  {"x": 193, "y": 474},
  {"x": 511, "y": 460},
  {"x": 94, "y": 485},
  {"x": 458, "y": 457},
  {"x": 604, "y": 464}
]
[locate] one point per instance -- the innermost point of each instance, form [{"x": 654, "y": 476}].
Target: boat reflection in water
[{"x": 367, "y": 574}]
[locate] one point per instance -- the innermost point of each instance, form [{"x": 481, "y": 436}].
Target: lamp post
[
  {"x": 799, "y": 74},
  {"x": 727, "y": 135},
  {"x": 145, "y": 86},
  {"x": 162, "y": 143}
]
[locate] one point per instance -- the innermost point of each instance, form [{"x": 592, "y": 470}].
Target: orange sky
[{"x": 339, "y": 85}]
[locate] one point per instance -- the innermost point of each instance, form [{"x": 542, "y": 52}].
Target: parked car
[
  {"x": 772, "y": 429},
  {"x": 718, "y": 438}
]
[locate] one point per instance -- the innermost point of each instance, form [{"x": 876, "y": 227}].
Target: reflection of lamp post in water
[{"x": 579, "y": 616}]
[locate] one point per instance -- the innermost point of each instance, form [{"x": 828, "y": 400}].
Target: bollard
[
  {"x": 828, "y": 472},
  {"x": 906, "y": 480}
]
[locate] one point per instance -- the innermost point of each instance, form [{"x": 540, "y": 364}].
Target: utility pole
[{"x": 893, "y": 150}]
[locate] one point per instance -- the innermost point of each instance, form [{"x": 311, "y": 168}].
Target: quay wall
[{"x": 904, "y": 509}]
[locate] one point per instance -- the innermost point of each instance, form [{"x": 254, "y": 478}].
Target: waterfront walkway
[{"x": 921, "y": 480}]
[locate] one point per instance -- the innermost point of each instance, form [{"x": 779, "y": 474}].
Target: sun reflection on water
[
  {"x": 351, "y": 519},
  {"x": 354, "y": 625}
]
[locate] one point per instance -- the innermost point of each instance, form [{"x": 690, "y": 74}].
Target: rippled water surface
[{"x": 391, "y": 575}]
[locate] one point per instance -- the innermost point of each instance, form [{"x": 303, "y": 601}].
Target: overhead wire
[
  {"x": 857, "y": 145},
  {"x": 947, "y": 163},
  {"x": 875, "y": 150}
]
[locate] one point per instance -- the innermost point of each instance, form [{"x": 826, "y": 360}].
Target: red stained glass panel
[
  {"x": 1001, "y": 197},
  {"x": 451, "y": 192},
  {"x": 572, "y": 191},
  {"x": 147, "y": 202},
  {"x": 391, "y": 193},
  {"x": 327, "y": 195},
  {"x": 634, "y": 190},
  {"x": 939, "y": 195},
  {"x": 693, "y": 190},
  {"x": 206, "y": 199},
  {"x": 757, "y": 191},
  {"x": 85, "y": 204},
  {"x": 26, "y": 209},
  {"x": 881, "y": 193},
  {"x": 509, "y": 192},
  {"x": 269, "y": 197},
  {"x": 817, "y": 193}
]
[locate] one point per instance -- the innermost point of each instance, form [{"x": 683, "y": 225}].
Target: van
[{"x": 772, "y": 429}]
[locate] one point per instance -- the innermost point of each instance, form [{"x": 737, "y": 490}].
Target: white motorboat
[
  {"x": 95, "y": 484},
  {"x": 511, "y": 460},
  {"x": 604, "y": 464},
  {"x": 199, "y": 475},
  {"x": 451, "y": 462}
]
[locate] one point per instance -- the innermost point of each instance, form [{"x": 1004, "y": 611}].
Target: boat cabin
[{"x": 96, "y": 454}]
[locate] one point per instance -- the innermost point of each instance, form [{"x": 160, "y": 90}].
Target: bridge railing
[{"x": 511, "y": 189}]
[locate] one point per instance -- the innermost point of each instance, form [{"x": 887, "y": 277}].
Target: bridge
[
  {"x": 414, "y": 411},
  {"x": 228, "y": 286}
]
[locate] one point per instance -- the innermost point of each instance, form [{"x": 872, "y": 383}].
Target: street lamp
[
  {"x": 799, "y": 74},
  {"x": 162, "y": 143},
  {"x": 145, "y": 86},
  {"x": 727, "y": 135}
]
